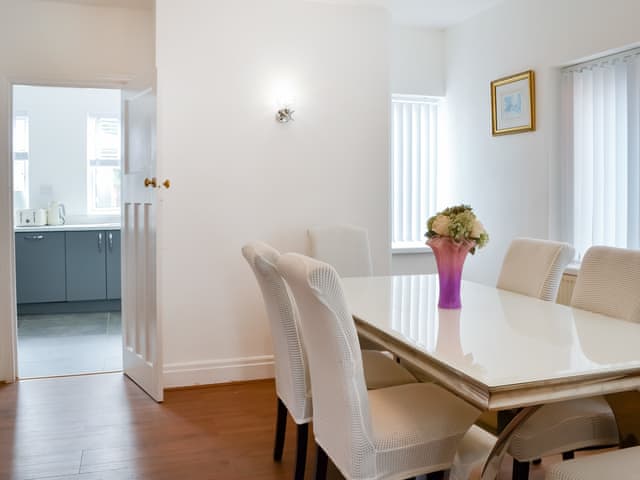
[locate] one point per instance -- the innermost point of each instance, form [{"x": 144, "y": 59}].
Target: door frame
[{"x": 9, "y": 314}]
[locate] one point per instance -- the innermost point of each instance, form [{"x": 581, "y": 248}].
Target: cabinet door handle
[
  {"x": 34, "y": 237},
  {"x": 110, "y": 236},
  {"x": 100, "y": 242}
]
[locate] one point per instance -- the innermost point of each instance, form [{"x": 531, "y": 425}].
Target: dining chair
[
  {"x": 345, "y": 247},
  {"x": 534, "y": 267},
  {"x": 618, "y": 464},
  {"x": 608, "y": 283},
  {"x": 390, "y": 433},
  {"x": 291, "y": 374}
]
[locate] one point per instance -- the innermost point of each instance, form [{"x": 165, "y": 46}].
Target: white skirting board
[{"x": 218, "y": 371}]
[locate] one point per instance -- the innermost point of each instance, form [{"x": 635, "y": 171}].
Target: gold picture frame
[{"x": 513, "y": 104}]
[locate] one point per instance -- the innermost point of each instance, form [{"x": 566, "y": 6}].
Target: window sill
[{"x": 408, "y": 248}]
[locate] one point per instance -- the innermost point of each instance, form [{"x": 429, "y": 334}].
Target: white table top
[{"x": 498, "y": 341}]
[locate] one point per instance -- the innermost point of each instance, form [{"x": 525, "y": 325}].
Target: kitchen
[{"x": 67, "y": 147}]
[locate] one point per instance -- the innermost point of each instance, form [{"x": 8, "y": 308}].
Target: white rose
[
  {"x": 477, "y": 230},
  {"x": 441, "y": 225}
]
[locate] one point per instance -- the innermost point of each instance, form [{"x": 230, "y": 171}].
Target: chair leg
[
  {"x": 520, "y": 470},
  {"x": 281, "y": 427},
  {"x": 321, "y": 463},
  {"x": 568, "y": 455},
  {"x": 301, "y": 451}
]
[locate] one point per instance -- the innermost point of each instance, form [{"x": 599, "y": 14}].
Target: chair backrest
[
  {"x": 609, "y": 283},
  {"x": 292, "y": 382},
  {"x": 341, "y": 417},
  {"x": 344, "y": 247},
  {"x": 534, "y": 267}
]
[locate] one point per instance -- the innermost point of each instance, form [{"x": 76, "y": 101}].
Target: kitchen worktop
[{"x": 78, "y": 227}]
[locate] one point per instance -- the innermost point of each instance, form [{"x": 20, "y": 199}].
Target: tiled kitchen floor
[{"x": 68, "y": 344}]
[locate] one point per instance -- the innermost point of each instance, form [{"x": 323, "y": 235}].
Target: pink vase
[{"x": 450, "y": 257}]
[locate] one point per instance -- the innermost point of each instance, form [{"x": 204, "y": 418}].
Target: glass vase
[{"x": 450, "y": 257}]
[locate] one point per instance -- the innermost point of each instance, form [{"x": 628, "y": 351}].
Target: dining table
[{"x": 502, "y": 351}]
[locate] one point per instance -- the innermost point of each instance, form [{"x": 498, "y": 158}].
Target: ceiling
[
  {"x": 135, "y": 4},
  {"x": 428, "y": 13},
  {"x": 438, "y": 13}
]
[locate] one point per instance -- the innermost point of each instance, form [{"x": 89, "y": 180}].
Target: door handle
[
  {"x": 34, "y": 237},
  {"x": 150, "y": 182},
  {"x": 166, "y": 184},
  {"x": 100, "y": 242},
  {"x": 110, "y": 237}
]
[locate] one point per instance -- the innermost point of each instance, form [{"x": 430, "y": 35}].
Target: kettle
[{"x": 56, "y": 214}]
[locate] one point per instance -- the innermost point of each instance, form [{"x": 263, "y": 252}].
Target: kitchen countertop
[{"x": 78, "y": 227}]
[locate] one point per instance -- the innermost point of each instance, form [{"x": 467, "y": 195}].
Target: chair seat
[
  {"x": 473, "y": 450},
  {"x": 618, "y": 465},
  {"x": 565, "y": 426},
  {"x": 416, "y": 428},
  {"x": 380, "y": 370}
]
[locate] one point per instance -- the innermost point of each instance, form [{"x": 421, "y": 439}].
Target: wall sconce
[{"x": 285, "y": 115}]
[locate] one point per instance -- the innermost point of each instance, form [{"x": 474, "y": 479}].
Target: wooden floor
[{"x": 103, "y": 427}]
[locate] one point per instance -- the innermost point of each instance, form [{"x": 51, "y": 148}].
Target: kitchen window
[
  {"x": 104, "y": 159},
  {"x": 414, "y": 147},
  {"x": 21, "y": 156},
  {"x": 601, "y": 154}
]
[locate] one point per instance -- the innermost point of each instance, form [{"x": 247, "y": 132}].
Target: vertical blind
[
  {"x": 414, "y": 144},
  {"x": 601, "y": 132}
]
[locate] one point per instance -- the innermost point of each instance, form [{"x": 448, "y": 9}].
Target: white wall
[
  {"x": 417, "y": 61},
  {"x": 512, "y": 180},
  {"x": 241, "y": 176},
  {"x": 58, "y": 141},
  {"x": 59, "y": 43}
]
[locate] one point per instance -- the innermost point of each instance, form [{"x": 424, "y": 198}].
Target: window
[
  {"x": 103, "y": 172},
  {"x": 21, "y": 155},
  {"x": 601, "y": 123},
  {"x": 414, "y": 144}
]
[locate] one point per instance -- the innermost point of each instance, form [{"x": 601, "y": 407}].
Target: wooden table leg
[
  {"x": 494, "y": 460},
  {"x": 626, "y": 408}
]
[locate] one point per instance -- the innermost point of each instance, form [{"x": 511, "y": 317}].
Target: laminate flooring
[
  {"x": 104, "y": 427},
  {"x": 68, "y": 344}
]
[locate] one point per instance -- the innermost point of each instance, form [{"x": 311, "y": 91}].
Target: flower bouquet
[{"x": 452, "y": 234}]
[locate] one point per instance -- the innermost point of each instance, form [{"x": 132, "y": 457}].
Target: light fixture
[{"x": 285, "y": 115}]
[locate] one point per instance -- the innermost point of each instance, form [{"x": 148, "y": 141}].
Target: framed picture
[{"x": 513, "y": 104}]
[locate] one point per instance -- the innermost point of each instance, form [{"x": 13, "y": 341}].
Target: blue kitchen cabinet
[
  {"x": 86, "y": 266},
  {"x": 113, "y": 265},
  {"x": 40, "y": 267}
]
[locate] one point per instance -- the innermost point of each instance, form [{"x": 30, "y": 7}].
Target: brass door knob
[
  {"x": 166, "y": 184},
  {"x": 150, "y": 182}
]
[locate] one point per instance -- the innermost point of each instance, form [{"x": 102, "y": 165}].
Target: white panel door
[{"x": 141, "y": 328}]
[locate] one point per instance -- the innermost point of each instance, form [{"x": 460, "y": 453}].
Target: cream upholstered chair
[
  {"x": 345, "y": 247},
  {"x": 534, "y": 267},
  {"x": 608, "y": 283},
  {"x": 292, "y": 379},
  {"x": 616, "y": 465},
  {"x": 389, "y": 433}
]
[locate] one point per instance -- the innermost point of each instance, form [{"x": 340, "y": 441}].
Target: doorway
[{"x": 67, "y": 156}]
